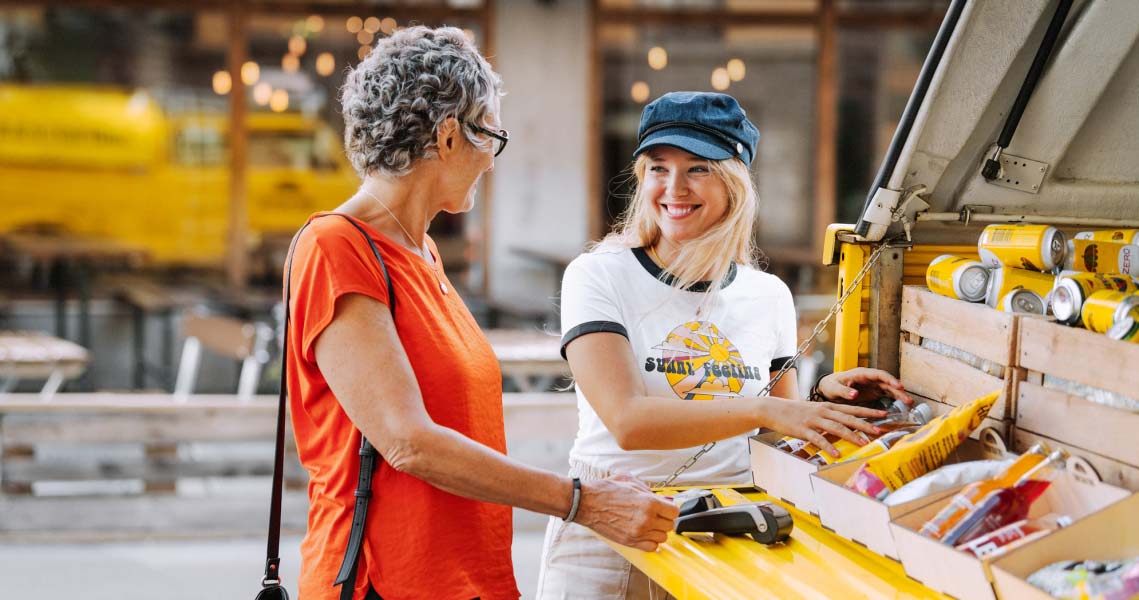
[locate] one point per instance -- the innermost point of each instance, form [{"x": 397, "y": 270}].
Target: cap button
[{"x": 739, "y": 148}]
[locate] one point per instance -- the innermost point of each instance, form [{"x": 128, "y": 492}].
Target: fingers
[
  {"x": 854, "y": 423},
  {"x": 820, "y": 442},
  {"x": 858, "y": 411}
]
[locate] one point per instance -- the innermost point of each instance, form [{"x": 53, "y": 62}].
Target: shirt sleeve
[
  {"x": 786, "y": 329},
  {"x": 330, "y": 263},
  {"x": 589, "y": 302}
]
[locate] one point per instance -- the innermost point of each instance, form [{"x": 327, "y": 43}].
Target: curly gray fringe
[{"x": 396, "y": 98}]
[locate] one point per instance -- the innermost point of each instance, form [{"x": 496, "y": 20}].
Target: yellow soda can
[
  {"x": 1022, "y": 301},
  {"x": 1022, "y": 245},
  {"x": 957, "y": 277},
  {"x": 1006, "y": 279},
  {"x": 1072, "y": 291},
  {"x": 1093, "y": 256},
  {"x": 1104, "y": 308},
  {"x": 1119, "y": 236},
  {"x": 1126, "y": 330}
]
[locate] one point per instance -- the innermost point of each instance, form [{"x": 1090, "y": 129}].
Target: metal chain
[{"x": 802, "y": 349}]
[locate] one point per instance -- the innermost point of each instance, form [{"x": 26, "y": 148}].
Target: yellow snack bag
[{"x": 920, "y": 452}]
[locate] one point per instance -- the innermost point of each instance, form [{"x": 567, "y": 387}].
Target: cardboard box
[
  {"x": 1110, "y": 534},
  {"x": 867, "y": 521},
  {"x": 781, "y": 474},
  {"x": 962, "y": 575}
]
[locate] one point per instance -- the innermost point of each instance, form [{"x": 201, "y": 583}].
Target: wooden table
[
  {"x": 71, "y": 258},
  {"x": 35, "y": 355},
  {"x": 530, "y": 358}
]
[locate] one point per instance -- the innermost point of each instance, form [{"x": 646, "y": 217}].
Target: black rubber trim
[
  {"x": 670, "y": 279},
  {"x": 592, "y": 327},
  {"x": 909, "y": 115},
  {"x": 777, "y": 363}
]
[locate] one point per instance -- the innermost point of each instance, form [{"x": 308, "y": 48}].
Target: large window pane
[{"x": 772, "y": 74}]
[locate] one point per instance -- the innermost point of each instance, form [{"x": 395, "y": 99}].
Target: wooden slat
[
  {"x": 974, "y": 328},
  {"x": 179, "y": 515},
  {"x": 1082, "y": 423},
  {"x": 154, "y": 469},
  {"x": 1079, "y": 355},
  {"x": 932, "y": 375},
  {"x": 128, "y": 403},
  {"x": 1110, "y": 470},
  {"x": 199, "y": 426}
]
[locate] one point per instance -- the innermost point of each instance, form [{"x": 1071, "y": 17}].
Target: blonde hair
[{"x": 710, "y": 256}]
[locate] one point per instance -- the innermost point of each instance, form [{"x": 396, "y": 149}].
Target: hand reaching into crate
[{"x": 860, "y": 385}]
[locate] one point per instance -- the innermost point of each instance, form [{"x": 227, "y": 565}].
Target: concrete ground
[{"x": 176, "y": 570}]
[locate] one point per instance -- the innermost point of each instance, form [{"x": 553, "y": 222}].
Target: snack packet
[{"x": 920, "y": 452}]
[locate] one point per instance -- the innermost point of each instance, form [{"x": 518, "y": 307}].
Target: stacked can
[
  {"x": 1119, "y": 236},
  {"x": 957, "y": 277},
  {"x": 1023, "y": 246},
  {"x": 1126, "y": 330},
  {"x": 1073, "y": 289},
  {"x": 1093, "y": 256},
  {"x": 1105, "y": 308},
  {"x": 1011, "y": 288}
]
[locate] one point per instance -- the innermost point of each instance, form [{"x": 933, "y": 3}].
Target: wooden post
[
  {"x": 596, "y": 208},
  {"x": 826, "y": 118},
  {"x": 237, "y": 257},
  {"x": 485, "y": 245}
]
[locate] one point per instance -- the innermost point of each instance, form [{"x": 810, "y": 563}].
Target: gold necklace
[
  {"x": 653, "y": 255},
  {"x": 410, "y": 240}
]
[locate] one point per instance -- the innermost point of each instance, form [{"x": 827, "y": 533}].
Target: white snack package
[{"x": 947, "y": 478}]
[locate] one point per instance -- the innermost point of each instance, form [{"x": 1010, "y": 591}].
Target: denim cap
[{"x": 709, "y": 125}]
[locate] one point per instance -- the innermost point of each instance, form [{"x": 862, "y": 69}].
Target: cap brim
[{"x": 696, "y": 142}]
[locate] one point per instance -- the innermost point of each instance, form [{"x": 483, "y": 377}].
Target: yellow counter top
[{"x": 815, "y": 563}]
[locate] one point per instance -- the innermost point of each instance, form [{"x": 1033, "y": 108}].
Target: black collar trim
[{"x": 670, "y": 279}]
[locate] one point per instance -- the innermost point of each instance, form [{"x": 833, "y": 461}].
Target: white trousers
[{"x": 577, "y": 565}]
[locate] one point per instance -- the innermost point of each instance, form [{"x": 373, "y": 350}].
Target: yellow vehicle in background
[{"x": 110, "y": 163}]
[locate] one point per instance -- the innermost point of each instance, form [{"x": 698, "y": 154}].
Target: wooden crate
[
  {"x": 982, "y": 332},
  {"x": 1101, "y": 434},
  {"x": 140, "y": 464}
]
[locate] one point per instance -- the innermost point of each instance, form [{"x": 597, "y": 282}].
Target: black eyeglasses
[{"x": 500, "y": 138}]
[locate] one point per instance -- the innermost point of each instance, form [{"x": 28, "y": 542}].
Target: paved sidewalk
[{"x": 176, "y": 570}]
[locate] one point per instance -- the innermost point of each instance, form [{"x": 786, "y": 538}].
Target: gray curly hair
[{"x": 412, "y": 81}]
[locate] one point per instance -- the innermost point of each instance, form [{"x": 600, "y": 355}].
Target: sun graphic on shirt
[{"x": 702, "y": 364}]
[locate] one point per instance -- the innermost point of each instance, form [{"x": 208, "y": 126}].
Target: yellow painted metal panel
[
  {"x": 814, "y": 563},
  {"x": 848, "y": 321}
]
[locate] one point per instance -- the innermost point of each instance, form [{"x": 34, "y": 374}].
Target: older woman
[{"x": 411, "y": 371}]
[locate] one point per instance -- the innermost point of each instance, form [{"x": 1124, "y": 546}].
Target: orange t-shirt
[{"x": 420, "y": 542}]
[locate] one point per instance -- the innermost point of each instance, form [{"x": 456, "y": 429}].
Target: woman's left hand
[{"x": 862, "y": 385}]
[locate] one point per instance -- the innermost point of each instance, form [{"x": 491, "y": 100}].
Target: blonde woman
[{"x": 672, "y": 333}]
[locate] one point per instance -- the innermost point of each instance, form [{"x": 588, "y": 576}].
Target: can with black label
[
  {"x": 1119, "y": 236},
  {"x": 1126, "y": 330},
  {"x": 1006, "y": 279},
  {"x": 1104, "y": 308},
  {"x": 1073, "y": 290},
  {"x": 1022, "y": 301},
  {"x": 1022, "y": 245},
  {"x": 957, "y": 277},
  {"x": 1093, "y": 256}
]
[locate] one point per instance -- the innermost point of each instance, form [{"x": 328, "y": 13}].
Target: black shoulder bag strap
[{"x": 271, "y": 582}]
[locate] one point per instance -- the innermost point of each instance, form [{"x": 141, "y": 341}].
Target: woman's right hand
[
  {"x": 810, "y": 420},
  {"x": 625, "y": 510}
]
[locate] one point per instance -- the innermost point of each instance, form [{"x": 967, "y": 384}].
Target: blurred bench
[
  {"x": 122, "y": 465},
  {"x": 39, "y": 356}
]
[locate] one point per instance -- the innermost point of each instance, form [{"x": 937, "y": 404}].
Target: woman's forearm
[
  {"x": 655, "y": 423},
  {"x": 454, "y": 463}
]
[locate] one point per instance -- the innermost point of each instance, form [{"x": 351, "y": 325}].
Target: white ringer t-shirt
[{"x": 728, "y": 352}]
